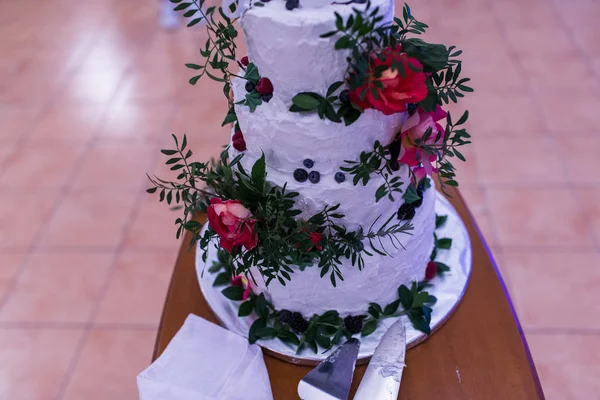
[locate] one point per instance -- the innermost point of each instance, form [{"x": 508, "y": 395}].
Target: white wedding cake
[{"x": 321, "y": 211}]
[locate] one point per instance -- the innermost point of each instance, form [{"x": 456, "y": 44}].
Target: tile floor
[{"x": 89, "y": 92}]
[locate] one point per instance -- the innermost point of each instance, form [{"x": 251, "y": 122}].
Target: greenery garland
[
  {"x": 327, "y": 329},
  {"x": 284, "y": 240}
]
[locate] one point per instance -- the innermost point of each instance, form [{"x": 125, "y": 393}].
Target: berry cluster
[
  {"x": 294, "y": 319},
  {"x": 301, "y": 175},
  {"x": 238, "y": 141}
]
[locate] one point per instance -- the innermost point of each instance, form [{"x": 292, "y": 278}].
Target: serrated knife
[
  {"x": 384, "y": 373},
  {"x": 331, "y": 379}
]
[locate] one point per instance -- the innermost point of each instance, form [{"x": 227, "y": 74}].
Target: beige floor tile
[
  {"x": 137, "y": 288},
  {"x": 580, "y": 116},
  {"x": 115, "y": 166},
  {"x": 72, "y": 124},
  {"x": 35, "y": 362},
  {"x": 568, "y": 365},
  {"x": 580, "y": 158},
  {"x": 89, "y": 219},
  {"x": 519, "y": 161},
  {"x": 61, "y": 287},
  {"x": 136, "y": 122},
  {"x": 16, "y": 123},
  {"x": 555, "y": 290},
  {"x": 539, "y": 217},
  {"x": 10, "y": 263},
  {"x": 113, "y": 356},
  {"x": 14, "y": 205},
  {"x": 40, "y": 166}
]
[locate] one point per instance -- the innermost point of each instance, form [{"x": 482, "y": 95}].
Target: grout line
[{"x": 77, "y": 325}]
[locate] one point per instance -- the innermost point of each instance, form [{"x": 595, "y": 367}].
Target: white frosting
[{"x": 286, "y": 47}]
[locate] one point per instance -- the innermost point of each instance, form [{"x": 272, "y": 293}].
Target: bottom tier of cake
[{"x": 308, "y": 293}]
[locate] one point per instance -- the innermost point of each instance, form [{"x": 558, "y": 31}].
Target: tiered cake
[{"x": 337, "y": 130}]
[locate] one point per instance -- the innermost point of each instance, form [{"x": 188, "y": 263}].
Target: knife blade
[
  {"x": 331, "y": 379},
  {"x": 382, "y": 378}
]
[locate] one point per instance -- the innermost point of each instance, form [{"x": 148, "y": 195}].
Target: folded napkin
[{"x": 206, "y": 362}]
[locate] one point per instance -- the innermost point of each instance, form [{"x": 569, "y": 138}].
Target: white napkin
[{"x": 206, "y": 362}]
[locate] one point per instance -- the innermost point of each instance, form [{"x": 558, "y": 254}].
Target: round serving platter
[{"x": 448, "y": 289}]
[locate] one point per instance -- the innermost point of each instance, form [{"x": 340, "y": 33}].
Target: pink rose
[
  {"x": 241, "y": 281},
  {"x": 413, "y": 149},
  {"x": 233, "y": 223}
]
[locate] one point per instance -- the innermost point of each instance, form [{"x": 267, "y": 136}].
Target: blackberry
[
  {"x": 344, "y": 96},
  {"x": 406, "y": 212},
  {"x": 314, "y": 176},
  {"x": 249, "y": 86},
  {"x": 267, "y": 97},
  {"x": 360, "y": 1},
  {"x": 308, "y": 163},
  {"x": 298, "y": 323},
  {"x": 394, "y": 165},
  {"x": 360, "y": 246},
  {"x": 285, "y": 316},
  {"x": 354, "y": 323},
  {"x": 340, "y": 177},
  {"x": 300, "y": 175}
]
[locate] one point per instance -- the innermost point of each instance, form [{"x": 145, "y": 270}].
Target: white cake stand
[{"x": 448, "y": 289}]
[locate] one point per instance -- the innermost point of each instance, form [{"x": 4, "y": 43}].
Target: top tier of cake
[{"x": 286, "y": 45}]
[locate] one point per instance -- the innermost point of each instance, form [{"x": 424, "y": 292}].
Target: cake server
[
  {"x": 331, "y": 379},
  {"x": 384, "y": 373}
]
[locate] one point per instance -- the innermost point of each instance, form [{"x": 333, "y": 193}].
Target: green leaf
[
  {"x": 405, "y": 297},
  {"x": 333, "y": 87},
  {"x": 444, "y": 243},
  {"x": 306, "y": 101},
  {"x": 182, "y": 6},
  {"x": 222, "y": 279},
  {"x": 391, "y": 308},
  {"x": 411, "y": 195},
  {"x": 194, "y": 79},
  {"x": 288, "y": 337},
  {"x": 441, "y": 267},
  {"x": 194, "y": 22},
  {"x": 418, "y": 321},
  {"x": 151, "y": 190},
  {"x": 440, "y": 220},
  {"x": 169, "y": 152},
  {"x": 261, "y": 306},
  {"x": 259, "y": 172},
  {"x": 256, "y": 326},
  {"x": 252, "y": 74},
  {"x": 369, "y": 327},
  {"x": 245, "y": 308},
  {"x": 463, "y": 118},
  {"x": 194, "y": 66},
  {"x": 234, "y": 293}
]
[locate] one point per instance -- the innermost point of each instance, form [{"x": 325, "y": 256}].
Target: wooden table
[{"x": 480, "y": 353}]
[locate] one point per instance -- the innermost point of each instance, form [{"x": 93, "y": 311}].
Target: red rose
[
  {"x": 232, "y": 222},
  {"x": 430, "y": 271},
  {"x": 244, "y": 61},
  {"x": 238, "y": 141},
  {"x": 397, "y": 90},
  {"x": 264, "y": 86}
]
